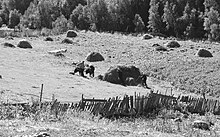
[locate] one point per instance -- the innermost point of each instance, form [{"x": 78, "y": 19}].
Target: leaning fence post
[{"x": 41, "y": 92}]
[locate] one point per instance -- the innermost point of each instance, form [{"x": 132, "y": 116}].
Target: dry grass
[
  {"x": 80, "y": 123},
  {"x": 179, "y": 66}
]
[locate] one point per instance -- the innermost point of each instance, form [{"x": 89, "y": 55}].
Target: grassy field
[
  {"x": 78, "y": 124},
  {"x": 24, "y": 70}
]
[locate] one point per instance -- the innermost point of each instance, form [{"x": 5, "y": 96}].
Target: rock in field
[
  {"x": 94, "y": 56},
  {"x": 160, "y": 48},
  {"x": 172, "y": 44},
  {"x": 202, "y": 125},
  {"x": 67, "y": 41},
  {"x": 71, "y": 34},
  {"x": 204, "y": 53},
  {"x": 48, "y": 39},
  {"x": 24, "y": 44},
  {"x": 147, "y": 36},
  {"x": 6, "y": 44}
]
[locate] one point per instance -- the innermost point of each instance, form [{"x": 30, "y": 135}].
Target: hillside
[{"x": 24, "y": 70}]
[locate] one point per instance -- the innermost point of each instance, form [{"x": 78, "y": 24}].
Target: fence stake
[{"x": 41, "y": 92}]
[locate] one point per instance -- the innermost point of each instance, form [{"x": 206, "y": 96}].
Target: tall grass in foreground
[{"x": 82, "y": 123}]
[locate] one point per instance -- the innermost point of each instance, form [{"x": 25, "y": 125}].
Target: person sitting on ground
[
  {"x": 80, "y": 67},
  {"x": 91, "y": 70},
  {"x": 143, "y": 78}
]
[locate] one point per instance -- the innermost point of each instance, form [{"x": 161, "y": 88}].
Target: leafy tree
[
  {"x": 215, "y": 32},
  {"x": 60, "y": 25},
  {"x": 4, "y": 13},
  {"x": 44, "y": 8},
  {"x": 1, "y": 22},
  {"x": 99, "y": 15},
  {"x": 69, "y": 5},
  {"x": 31, "y": 17},
  {"x": 155, "y": 22},
  {"x": 138, "y": 23},
  {"x": 211, "y": 23},
  {"x": 14, "y": 18},
  {"x": 169, "y": 18},
  {"x": 211, "y": 4},
  {"x": 80, "y": 17},
  {"x": 20, "y": 5}
]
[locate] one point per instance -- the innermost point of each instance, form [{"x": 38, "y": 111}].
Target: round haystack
[
  {"x": 202, "y": 124},
  {"x": 6, "y": 44},
  {"x": 160, "y": 48},
  {"x": 94, "y": 56},
  {"x": 204, "y": 53},
  {"x": 48, "y": 39},
  {"x": 155, "y": 45},
  {"x": 24, "y": 44},
  {"x": 71, "y": 34},
  {"x": 172, "y": 44},
  {"x": 67, "y": 41},
  {"x": 147, "y": 36},
  {"x": 125, "y": 72}
]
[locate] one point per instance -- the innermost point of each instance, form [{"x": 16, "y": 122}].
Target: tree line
[{"x": 179, "y": 18}]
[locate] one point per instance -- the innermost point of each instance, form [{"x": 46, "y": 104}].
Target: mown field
[{"x": 24, "y": 70}]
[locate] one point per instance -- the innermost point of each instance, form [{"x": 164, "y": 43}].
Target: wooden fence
[
  {"x": 127, "y": 106},
  {"x": 137, "y": 105},
  {"x": 201, "y": 105},
  {"x": 145, "y": 104}
]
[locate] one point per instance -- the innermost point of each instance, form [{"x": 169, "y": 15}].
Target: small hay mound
[
  {"x": 155, "y": 45},
  {"x": 6, "y": 44},
  {"x": 24, "y": 44},
  {"x": 71, "y": 34},
  {"x": 99, "y": 77},
  {"x": 67, "y": 41},
  {"x": 94, "y": 56},
  {"x": 202, "y": 125},
  {"x": 48, "y": 39},
  {"x": 172, "y": 44},
  {"x": 160, "y": 48},
  {"x": 147, "y": 36},
  {"x": 127, "y": 72},
  {"x": 204, "y": 53}
]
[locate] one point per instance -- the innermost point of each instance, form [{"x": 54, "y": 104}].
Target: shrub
[
  {"x": 139, "y": 24},
  {"x": 80, "y": 17},
  {"x": 14, "y": 18},
  {"x": 60, "y": 25},
  {"x": 1, "y": 22},
  {"x": 45, "y": 32},
  {"x": 31, "y": 17}
]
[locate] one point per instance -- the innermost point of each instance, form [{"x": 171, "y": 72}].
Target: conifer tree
[
  {"x": 139, "y": 24},
  {"x": 155, "y": 22}
]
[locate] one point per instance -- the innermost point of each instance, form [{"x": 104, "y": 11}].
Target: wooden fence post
[{"x": 41, "y": 92}]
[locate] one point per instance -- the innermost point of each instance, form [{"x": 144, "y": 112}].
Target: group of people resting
[
  {"x": 90, "y": 69},
  {"x": 81, "y": 67}
]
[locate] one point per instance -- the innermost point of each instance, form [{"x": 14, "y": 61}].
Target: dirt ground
[{"x": 24, "y": 70}]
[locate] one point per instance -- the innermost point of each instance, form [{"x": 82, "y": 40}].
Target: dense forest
[{"x": 192, "y": 19}]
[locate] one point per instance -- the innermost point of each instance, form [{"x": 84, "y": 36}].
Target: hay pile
[{"x": 129, "y": 75}]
